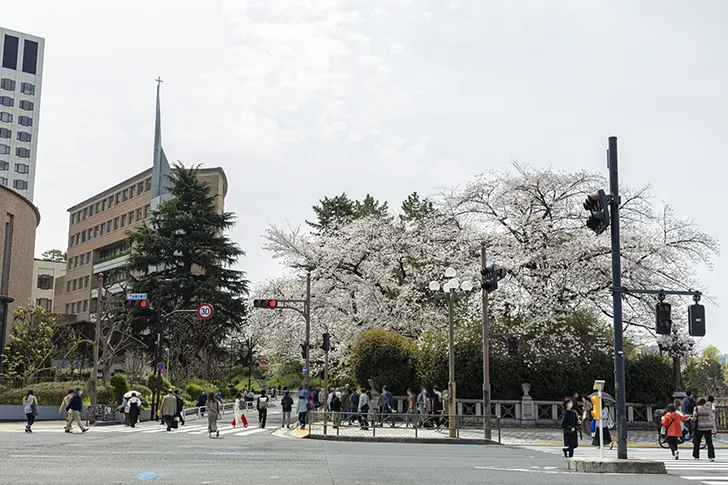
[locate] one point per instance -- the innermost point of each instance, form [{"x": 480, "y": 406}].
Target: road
[{"x": 119, "y": 455}]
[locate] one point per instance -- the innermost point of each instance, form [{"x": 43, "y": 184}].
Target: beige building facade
[
  {"x": 45, "y": 273},
  {"x": 98, "y": 242}
]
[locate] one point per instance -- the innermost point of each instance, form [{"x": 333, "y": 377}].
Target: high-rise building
[{"x": 21, "y": 75}]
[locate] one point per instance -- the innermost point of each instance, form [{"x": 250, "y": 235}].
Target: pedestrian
[
  {"x": 335, "y": 407},
  {"x": 411, "y": 408},
  {"x": 75, "y": 406},
  {"x": 64, "y": 405},
  {"x": 239, "y": 410},
  {"x": 30, "y": 407},
  {"x": 387, "y": 405},
  {"x": 364, "y": 409},
  {"x": 704, "y": 419},
  {"x": 135, "y": 405},
  {"x": 346, "y": 403},
  {"x": 180, "y": 407},
  {"x": 213, "y": 413},
  {"x": 422, "y": 404},
  {"x": 711, "y": 402},
  {"x": 437, "y": 406},
  {"x": 286, "y": 407},
  {"x": 688, "y": 408},
  {"x": 202, "y": 402},
  {"x": 125, "y": 410},
  {"x": 570, "y": 425},
  {"x": 218, "y": 396},
  {"x": 262, "y": 407},
  {"x": 302, "y": 408},
  {"x": 353, "y": 406},
  {"x": 672, "y": 421},
  {"x": 169, "y": 408}
]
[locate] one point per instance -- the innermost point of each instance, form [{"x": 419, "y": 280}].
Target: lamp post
[
  {"x": 677, "y": 346},
  {"x": 449, "y": 288}
]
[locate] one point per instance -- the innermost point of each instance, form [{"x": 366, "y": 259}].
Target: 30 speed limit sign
[{"x": 205, "y": 311}]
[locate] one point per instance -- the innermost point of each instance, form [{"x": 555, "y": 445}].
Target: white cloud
[{"x": 396, "y": 48}]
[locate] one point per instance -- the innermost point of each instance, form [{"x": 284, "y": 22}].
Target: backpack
[
  {"x": 335, "y": 403},
  {"x": 262, "y": 403},
  {"x": 691, "y": 405}
]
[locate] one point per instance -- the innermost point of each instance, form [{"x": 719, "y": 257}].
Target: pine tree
[
  {"x": 341, "y": 210},
  {"x": 183, "y": 258}
]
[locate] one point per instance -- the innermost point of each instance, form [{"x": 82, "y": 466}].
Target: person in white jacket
[
  {"x": 30, "y": 407},
  {"x": 364, "y": 409}
]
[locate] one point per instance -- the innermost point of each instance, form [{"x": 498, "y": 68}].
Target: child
[{"x": 672, "y": 421}]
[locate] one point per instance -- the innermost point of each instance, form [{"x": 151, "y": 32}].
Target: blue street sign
[
  {"x": 160, "y": 366},
  {"x": 266, "y": 379},
  {"x": 136, "y": 296},
  {"x": 304, "y": 370}
]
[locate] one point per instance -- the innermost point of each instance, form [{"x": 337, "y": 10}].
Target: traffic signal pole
[
  {"x": 486, "y": 351},
  {"x": 307, "y": 317},
  {"x": 97, "y": 341},
  {"x": 619, "y": 379}
]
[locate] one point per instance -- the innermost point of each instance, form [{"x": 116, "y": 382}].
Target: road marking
[{"x": 250, "y": 431}]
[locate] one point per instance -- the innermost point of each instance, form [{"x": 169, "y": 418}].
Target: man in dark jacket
[
  {"x": 286, "y": 406},
  {"x": 202, "y": 402},
  {"x": 75, "y": 406},
  {"x": 180, "y": 407}
]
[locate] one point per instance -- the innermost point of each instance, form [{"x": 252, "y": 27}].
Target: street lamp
[
  {"x": 677, "y": 346},
  {"x": 452, "y": 285}
]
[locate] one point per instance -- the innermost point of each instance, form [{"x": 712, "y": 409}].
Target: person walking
[
  {"x": 180, "y": 407},
  {"x": 125, "y": 410},
  {"x": 75, "y": 406},
  {"x": 672, "y": 421},
  {"x": 239, "y": 409},
  {"x": 411, "y": 408},
  {"x": 202, "y": 403},
  {"x": 286, "y": 407},
  {"x": 346, "y": 403},
  {"x": 353, "y": 406},
  {"x": 437, "y": 406},
  {"x": 364, "y": 409},
  {"x": 213, "y": 411},
  {"x": 422, "y": 405},
  {"x": 64, "y": 405},
  {"x": 570, "y": 425},
  {"x": 135, "y": 405},
  {"x": 688, "y": 408},
  {"x": 30, "y": 407},
  {"x": 704, "y": 427},
  {"x": 262, "y": 407},
  {"x": 169, "y": 408},
  {"x": 387, "y": 402},
  {"x": 302, "y": 409},
  {"x": 335, "y": 407}
]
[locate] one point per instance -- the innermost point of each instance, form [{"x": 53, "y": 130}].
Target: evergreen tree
[
  {"x": 183, "y": 258},
  {"x": 341, "y": 210},
  {"x": 416, "y": 208}
]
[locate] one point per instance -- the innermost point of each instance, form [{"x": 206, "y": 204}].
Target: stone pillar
[{"x": 528, "y": 408}]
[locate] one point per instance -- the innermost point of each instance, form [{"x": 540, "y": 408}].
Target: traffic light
[
  {"x": 596, "y": 407},
  {"x": 663, "y": 324},
  {"x": 327, "y": 342},
  {"x": 268, "y": 303},
  {"x": 303, "y": 351},
  {"x": 140, "y": 305},
  {"x": 490, "y": 276},
  {"x": 696, "y": 320},
  {"x": 598, "y": 205},
  {"x": 513, "y": 346}
]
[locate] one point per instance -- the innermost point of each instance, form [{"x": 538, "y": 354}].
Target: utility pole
[
  {"x": 486, "y": 351},
  {"x": 250, "y": 363},
  {"x": 156, "y": 393},
  {"x": 97, "y": 341},
  {"x": 326, "y": 371},
  {"x": 619, "y": 379},
  {"x": 307, "y": 317}
]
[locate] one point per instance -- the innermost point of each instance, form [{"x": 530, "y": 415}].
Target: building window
[
  {"x": 45, "y": 282},
  {"x": 103, "y": 205},
  {"x": 117, "y": 200},
  {"x": 6, "y": 117},
  {"x": 7, "y": 84},
  {"x": 83, "y": 240},
  {"x": 101, "y": 227},
  {"x": 111, "y": 202},
  {"x": 149, "y": 185},
  {"x": 4, "y": 181},
  {"x": 27, "y": 88},
  {"x": 68, "y": 287},
  {"x": 96, "y": 231},
  {"x": 139, "y": 214},
  {"x": 30, "y": 56},
  {"x": 78, "y": 238},
  {"x": 73, "y": 307},
  {"x": 90, "y": 233},
  {"x": 25, "y": 120},
  {"x": 123, "y": 220},
  {"x": 26, "y": 105},
  {"x": 75, "y": 260},
  {"x": 90, "y": 210},
  {"x": 6, "y": 101},
  {"x": 5, "y": 133},
  {"x": 44, "y": 303},
  {"x": 146, "y": 211},
  {"x": 75, "y": 285},
  {"x": 98, "y": 207},
  {"x": 131, "y": 191},
  {"x": 108, "y": 226},
  {"x": 86, "y": 281},
  {"x": 83, "y": 259},
  {"x": 10, "y": 52},
  {"x": 116, "y": 224},
  {"x": 85, "y": 213},
  {"x": 22, "y": 152},
  {"x": 131, "y": 218},
  {"x": 85, "y": 305},
  {"x": 20, "y": 184},
  {"x": 125, "y": 195},
  {"x": 4, "y": 165},
  {"x": 24, "y": 136},
  {"x": 73, "y": 219},
  {"x": 4, "y": 149},
  {"x": 21, "y": 168},
  {"x": 141, "y": 188}
]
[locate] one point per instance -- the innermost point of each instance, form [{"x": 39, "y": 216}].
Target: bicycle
[{"x": 688, "y": 433}]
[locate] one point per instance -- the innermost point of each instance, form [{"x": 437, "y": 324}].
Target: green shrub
[
  {"x": 193, "y": 390},
  {"x": 121, "y": 387},
  {"x": 47, "y": 393},
  {"x": 165, "y": 383},
  {"x": 385, "y": 357},
  {"x": 106, "y": 395}
]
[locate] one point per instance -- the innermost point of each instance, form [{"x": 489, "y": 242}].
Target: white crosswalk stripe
[
  {"x": 681, "y": 467},
  {"x": 152, "y": 428}
]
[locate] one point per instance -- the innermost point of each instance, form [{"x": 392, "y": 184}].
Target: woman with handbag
[
  {"x": 213, "y": 415},
  {"x": 30, "y": 406}
]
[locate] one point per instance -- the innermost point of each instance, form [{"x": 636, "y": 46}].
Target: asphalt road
[{"x": 118, "y": 455}]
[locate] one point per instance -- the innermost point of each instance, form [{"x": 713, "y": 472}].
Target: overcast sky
[{"x": 301, "y": 99}]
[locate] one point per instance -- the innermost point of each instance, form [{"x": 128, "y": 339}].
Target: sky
[{"x": 301, "y": 99}]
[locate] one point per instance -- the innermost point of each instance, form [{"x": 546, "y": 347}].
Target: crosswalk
[
  {"x": 697, "y": 471},
  {"x": 153, "y": 428}
]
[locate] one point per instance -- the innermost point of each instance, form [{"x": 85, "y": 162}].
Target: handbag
[{"x": 34, "y": 408}]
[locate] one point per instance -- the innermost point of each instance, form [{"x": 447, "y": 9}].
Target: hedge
[
  {"x": 121, "y": 387},
  {"x": 52, "y": 393},
  {"x": 385, "y": 357}
]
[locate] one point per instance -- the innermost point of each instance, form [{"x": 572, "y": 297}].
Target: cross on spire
[{"x": 159, "y": 80}]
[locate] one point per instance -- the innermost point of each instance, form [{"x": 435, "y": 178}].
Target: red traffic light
[
  {"x": 143, "y": 304},
  {"x": 272, "y": 303}
]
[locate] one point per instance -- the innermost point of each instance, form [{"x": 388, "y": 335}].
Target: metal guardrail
[{"x": 322, "y": 421}]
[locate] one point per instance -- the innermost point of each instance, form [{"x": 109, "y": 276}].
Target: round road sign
[
  {"x": 160, "y": 366},
  {"x": 204, "y": 311}
]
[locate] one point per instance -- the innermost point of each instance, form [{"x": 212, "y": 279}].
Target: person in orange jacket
[{"x": 671, "y": 421}]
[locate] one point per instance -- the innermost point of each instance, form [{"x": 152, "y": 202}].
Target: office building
[
  {"x": 45, "y": 273},
  {"x": 21, "y": 75}
]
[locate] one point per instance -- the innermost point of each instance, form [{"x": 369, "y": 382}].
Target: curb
[{"x": 384, "y": 439}]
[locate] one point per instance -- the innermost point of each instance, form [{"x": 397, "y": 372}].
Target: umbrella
[
  {"x": 128, "y": 394},
  {"x": 606, "y": 397}
]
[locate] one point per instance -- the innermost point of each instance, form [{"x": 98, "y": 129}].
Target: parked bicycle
[{"x": 688, "y": 432}]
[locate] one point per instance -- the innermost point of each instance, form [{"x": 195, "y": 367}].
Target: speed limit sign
[{"x": 204, "y": 311}]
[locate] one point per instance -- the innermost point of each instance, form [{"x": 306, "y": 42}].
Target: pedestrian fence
[
  {"x": 227, "y": 408},
  {"x": 467, "y": 427}
]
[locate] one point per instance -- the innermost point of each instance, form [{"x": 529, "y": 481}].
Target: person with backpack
[
  {"x": 286, "y": 407},
  {"x": 671, "y": 422},
  {"x": 262, "y": 407},
  {"x": 30, "y": 407},
  {"x": 302, "y": 408}
]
